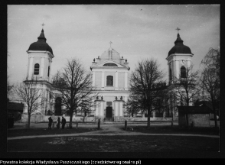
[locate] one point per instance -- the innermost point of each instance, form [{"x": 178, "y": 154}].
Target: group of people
[{"x": 50, "y": 121}]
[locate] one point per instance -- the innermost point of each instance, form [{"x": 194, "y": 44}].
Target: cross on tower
[
  {"x": 178, "y": 30},
  {"x": 42, "y": 24}
]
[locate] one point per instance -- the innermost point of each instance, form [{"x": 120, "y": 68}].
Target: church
[{"x": 110, "y": 79}]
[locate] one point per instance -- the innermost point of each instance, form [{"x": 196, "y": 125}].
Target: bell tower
[
  {"x": 179, "y": 59},
  {"x": 40, "y": 56}
]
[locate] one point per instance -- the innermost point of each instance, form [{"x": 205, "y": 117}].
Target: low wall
[
  {"x": 199, "y": 120},
  {"x": 146, "y": 119},
  {"x": 195, "y": 120},
  {"x": 33, "y": 119},
  {"x": 41, "y": 118}
]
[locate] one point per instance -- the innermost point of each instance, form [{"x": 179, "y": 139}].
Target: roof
[
  {"x": 193, "y": 110},
  {"x": 204, "y": 104},
  {"x": 179, "y": 47},
  {"x": 111, "y": 54},
  {"x": 15, "y": 106},
  {"x": 41, "y": 44}
]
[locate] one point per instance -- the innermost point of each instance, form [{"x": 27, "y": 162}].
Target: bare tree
[
  {"x": 31, "y": 96},
  {"x": 133, "y": 105},
  {"x": 142, "y": 85},
  {"x": 186, "y": 87},
  {"x": 75, "y": 87},
  {"x": 161, "y": 103},
  {"x": 210, "y": 79}
]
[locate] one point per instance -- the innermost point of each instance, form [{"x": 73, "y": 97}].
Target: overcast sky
[{"x": 138, "y": 32}]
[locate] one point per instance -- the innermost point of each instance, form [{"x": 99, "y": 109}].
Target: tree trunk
[
  {"x": 71, "y": 118},
  {"x": 215, "y": 119},
  {"x": 148, "y": 123},
  {"x": 187, "y": 119},
  {"x": 28, "y": 121},
  {"x": 187, "y": 114},
  {"x": 215, "y": 115},
  {"x": 172, "y": 119},
  {"x": 83, "y": 119}
]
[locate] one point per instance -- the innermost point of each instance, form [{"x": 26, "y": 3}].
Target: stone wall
[
  {"x": 195, "y": 120},
  {"x": 199, "y": 120}
]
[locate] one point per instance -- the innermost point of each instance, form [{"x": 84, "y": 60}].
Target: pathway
[{"x": 109, "y": 130}]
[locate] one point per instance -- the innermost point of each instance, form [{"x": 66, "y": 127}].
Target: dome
[
  {"x": 179, "y": 47},
  {"x": 41, "y": 44},
  {"x": 111, "y": 55}
]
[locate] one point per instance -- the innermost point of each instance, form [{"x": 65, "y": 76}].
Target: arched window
[
  {"x": 48, "y": 70},
  {"x": 109, "y": 64},
  {"x": 109, "y": 81},
  {"x": 36, "y": 69},
  {"x": 183, "y": 72}
]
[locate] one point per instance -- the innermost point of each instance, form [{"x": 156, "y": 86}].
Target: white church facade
[{"x": 110, "y": 78}]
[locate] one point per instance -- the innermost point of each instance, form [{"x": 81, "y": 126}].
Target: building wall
[
  {"x": 98, "y": 79},
  {"x": 121, "y": 79},
  {"x": 195, "y": 120},
  {"x": 119, "y": 83},
  {"x": 44, "y": 60},
  {"x": 199, "y": 120},
  {"x": 176, "y": 61}
]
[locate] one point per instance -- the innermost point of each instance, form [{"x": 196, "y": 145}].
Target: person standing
[
  {"x": 63, "y": 122},
  {"x": 50, "y": 122},
  {"x": 58, "y": 123}
]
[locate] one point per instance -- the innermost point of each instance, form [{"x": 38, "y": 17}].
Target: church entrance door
[{"x": 109, "y": 114}]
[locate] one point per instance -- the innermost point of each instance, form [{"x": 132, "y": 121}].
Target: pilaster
[
  {"x": 103, "y": 79},
  {"x": 31, "y": 68},
  {"x": 42, "y": 67}
]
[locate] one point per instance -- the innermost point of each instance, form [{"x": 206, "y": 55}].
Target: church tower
[
  {"x": 40, "y": 56},
  {"x": 179, "y": 59}
]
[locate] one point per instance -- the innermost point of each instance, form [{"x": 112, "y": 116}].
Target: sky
[{"x": 137, "y": 32}]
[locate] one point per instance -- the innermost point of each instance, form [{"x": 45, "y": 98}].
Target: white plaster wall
[
  {"x": 121, "y": 79},
  {"x": 42, "y": 58},
  {"x": 98, "y": 79},
  {"x": 176, "y": 62}
]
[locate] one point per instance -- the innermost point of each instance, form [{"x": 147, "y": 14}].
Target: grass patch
[
  {"x": 115, "y": 144},
  {"x": 44, "y": 131},
  {"x": 175, "y": 129}
]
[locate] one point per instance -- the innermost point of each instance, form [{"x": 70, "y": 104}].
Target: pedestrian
[
  {"x": 58, "y": 123},
  {"x": 63, "y": 122},
  {"x": 50, "y": 122}
]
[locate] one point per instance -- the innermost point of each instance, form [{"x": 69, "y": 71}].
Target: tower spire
[
  {"x": 42, "y": 35},
  {"x": 179, "y": 40}
]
